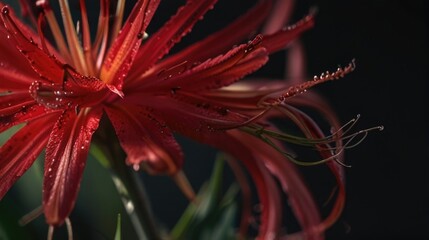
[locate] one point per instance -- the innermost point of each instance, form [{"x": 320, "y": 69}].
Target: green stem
[
  {"x": 134, "y": 198},
  {"x": 127, "y": 183}
]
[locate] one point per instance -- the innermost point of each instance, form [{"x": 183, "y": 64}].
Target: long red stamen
[
  {"x": 86, "y": 41},
  {"x": 119, "y": 15},
  {"x": 72, "y": 38},
  {"x": 56, "y": 31},
  {"x": 100, "y": 44}
]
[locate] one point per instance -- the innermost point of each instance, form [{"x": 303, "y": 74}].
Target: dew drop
[
  {"x": 129, "y": 206},
  {"x": 5, "y": 10},
  {"x": 136, "y": 167}
]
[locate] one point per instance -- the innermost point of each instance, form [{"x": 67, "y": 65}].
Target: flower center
[
  {"x": 75, "y": 91},
  {"x": 75, "y": 80},
  {"x": 76, "y": 47}
]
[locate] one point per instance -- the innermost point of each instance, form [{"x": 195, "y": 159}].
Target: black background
[{"x": 388, "y": 183}]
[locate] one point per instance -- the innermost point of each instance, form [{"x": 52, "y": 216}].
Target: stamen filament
[
  {"x": 72, "y": 39},
  {"x": 294, "y": 159},
  {"x": 322, "y": 144},
  {"x": 57, "y": 34},
  {"x": 248, "y": 121},
  {"x": 100, "y": 44},
  {"x": 86, "y": 38},
  {"x": 69, "y": 229},
  {"x": 51, "y": 232},
  {"x": 183, "y": 183},
  {"x": 27, "y": 218},
  {"x": 119, "y": 15}
]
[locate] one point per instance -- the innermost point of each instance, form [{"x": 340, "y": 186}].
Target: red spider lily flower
[{"x": 59, "y": 91}]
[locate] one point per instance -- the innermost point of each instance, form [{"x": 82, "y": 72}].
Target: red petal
[
  {"x": 191, "y": 114},
  {"x": 279, "y": 40},
  {"x": 299, "y": 197},
  {"x": 214, "y": 73},
  {"x": 225, "y": 69},
  {"x": 145, "y": 139},
  {"x": 20, "y": 151},
  {"x": 76, "y": 90},
  {"x": 16, "y": 108},
  {"x": 268, "y": 192},
  {"x": 12, "y": 79},
  {"x": 46, "y": 66},
  {"x": 311, "y": 130},
  {"x": 242, "y": 147},
  {"x": 279, "y": 15},
  {"x": 246, "y": 95},
  {"x": 172, "y": 32},
  {"x": 15, "y": 71},
  {"x": 221, "y": 41},
  {"x": 14, "y": 102},
  {"x": 124, "y": 49},
  {"x": 66, "y": 156},
  {"x": 246, "y": 195}
]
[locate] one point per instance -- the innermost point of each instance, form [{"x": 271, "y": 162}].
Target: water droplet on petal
[
  {"x": 5, "y": 10},
  {"x": 136, "y": 167},
  {"x": 129, "y": 206}
]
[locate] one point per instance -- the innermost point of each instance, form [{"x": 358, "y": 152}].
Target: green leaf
[
  {"x": 9, "y": 220},
  {"x": 118, "y": 228},
  {"x": 4, "y": 136},
  {"x": 223, "y": 227},
  {"x": 213, "y": 216},
  {"x": 98, "y": 154}
]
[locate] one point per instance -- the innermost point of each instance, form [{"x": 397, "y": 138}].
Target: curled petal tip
[{"x": 183, "y": 183}]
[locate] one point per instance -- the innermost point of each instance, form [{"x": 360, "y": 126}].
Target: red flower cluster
[{"x": 61, "y": 89}]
